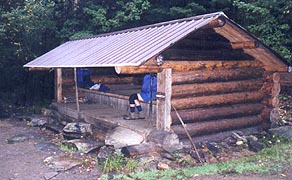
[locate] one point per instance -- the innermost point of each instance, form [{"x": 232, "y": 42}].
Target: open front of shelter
[{"x": 212, "y": 75}]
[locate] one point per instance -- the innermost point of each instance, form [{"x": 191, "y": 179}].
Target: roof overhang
[{"x": 134, "y": 47}]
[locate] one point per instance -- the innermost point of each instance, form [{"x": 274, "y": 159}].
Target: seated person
[{"x": 148, "y": 93}]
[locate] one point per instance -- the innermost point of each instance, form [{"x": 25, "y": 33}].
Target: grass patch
[
  {"x": 67, "y": 147},
  {"x": 268, "y": 160}
]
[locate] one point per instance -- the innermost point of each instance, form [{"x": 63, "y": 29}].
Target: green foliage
[
  {"x": 30, "y": 28},
  {"x": 266, "y": 19},
  {"x": 67, "y": 147},
  {"x": 114, "y": 162},
  {"x": 24, "y": 23},
  {"x": 268, "y": 160}
]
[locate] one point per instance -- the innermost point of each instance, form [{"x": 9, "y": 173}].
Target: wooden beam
[
  {"x": 199, "y": 76},
  {"x": 180, "y": 66},
  {"x": 244, "y": 45},
  {"x": 209, "y": 44},
  {"x": 262, "y": 53},
  {"x": 215, "y": 88},
  {"x": 112, "y": 79},
  {"x": 76, "y": 93},
  {"x": 38, "y": 69},
  {"x": 204, "y": 101},
  {"x": 163, "y": 117},
  {"x": 201, "y": 128},
  {"x": 222, "y": 54},
  {"x": 219, "y": 22},
  {"x": 59, "y": 85},
  {"x": 203, "y": 114},
  {"x": 285, "y": 78}
]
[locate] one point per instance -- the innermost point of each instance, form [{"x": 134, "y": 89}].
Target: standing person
[{"x": 148, "y": 93}]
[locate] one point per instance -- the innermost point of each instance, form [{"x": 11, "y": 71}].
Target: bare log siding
[
  {"x": 200, "y": 76},
  {"x": 207, "y": 114},
  {"x": 188, "y": 90},
  {"x": 213, "y": 100},
  {"x": 216, "y": 100},
  {"x": 202, "y": 128}
]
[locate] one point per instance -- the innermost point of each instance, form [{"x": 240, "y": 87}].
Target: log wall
[{"x": 222, "y": 99}]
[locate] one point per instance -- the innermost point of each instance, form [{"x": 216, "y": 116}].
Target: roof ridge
[{"x": 219, "y": 13}]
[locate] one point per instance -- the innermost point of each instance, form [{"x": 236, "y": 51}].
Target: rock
[
  {"x": 120, "y": 137},
  {"x": 52, "y": 113},
  {"x": 210, "y": 159},
  {"x": 40, "y": 121},
  {"x": 254, "y": 146},
  {"x": 169, "y": 141},
  {"x": 50, "y": 175},
  {"x": 47, "y": 112},
  {"x": 85, "y": 146},
  {"x": 212, "y": 147},
  {"x": 17, "y": 138},
  {"x": 254, "y": 138},
  {"x": 285, "y": 131},
  {"x": 239, "y": 142},
  {"x": 167, "y": 156},
  {"x": 104, "y": 153},
  {"x": 194, "y": 155},
  {"x": 62, "y": 162},
  {"x": 163, "y": 166},
  {"x": 78, "y": 128},
  {"x": 48, "y": 147},
  {"x": 149, "y": 162}
]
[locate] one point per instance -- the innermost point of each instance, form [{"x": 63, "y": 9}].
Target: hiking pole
[{"x": 188, "y": 134}]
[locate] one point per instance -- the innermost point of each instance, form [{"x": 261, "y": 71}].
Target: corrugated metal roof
[{"x": 130, "y": 47}]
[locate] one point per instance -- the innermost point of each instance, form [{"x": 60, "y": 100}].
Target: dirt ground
[{"x": 23, "y": 161}]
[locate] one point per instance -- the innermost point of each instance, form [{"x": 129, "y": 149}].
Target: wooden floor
[{"x": 105, "y": 116}]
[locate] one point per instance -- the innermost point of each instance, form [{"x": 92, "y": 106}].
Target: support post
[
  {"x": 163, "y": 116},
  {"x": 76, "y": 92},
  {"x": 59, "y": 84}
]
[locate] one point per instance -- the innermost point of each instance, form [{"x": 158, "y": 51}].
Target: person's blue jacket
[{"x": 146, "y": 87}]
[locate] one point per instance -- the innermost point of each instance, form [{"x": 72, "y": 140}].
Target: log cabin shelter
[{"x": 212, "y": 74}]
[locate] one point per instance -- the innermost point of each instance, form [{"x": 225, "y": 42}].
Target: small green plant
[
  {"x": 131, "y": 164},
  {"x": 114, "y": 162},
  {"x": 67, "y": 147}
]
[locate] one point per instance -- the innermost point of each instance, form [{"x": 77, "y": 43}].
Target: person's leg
[
  {"x": 132, "y": 101},
  {"x": 139, "y": 107}
]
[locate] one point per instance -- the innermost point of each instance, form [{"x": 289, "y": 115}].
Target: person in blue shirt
[{"x": 148, "y": 93}]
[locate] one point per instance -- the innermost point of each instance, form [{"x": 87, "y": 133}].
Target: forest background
[{"x": 30, "y": 28}]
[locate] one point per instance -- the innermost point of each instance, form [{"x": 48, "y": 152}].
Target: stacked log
[
  {"x": 213, "y": 113},
  {"x": 182, "y": 66},
  {"x": 209, "y": 127},
  {"x": 217, "y": 99},
  {"x": 271, "y": 90}
]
